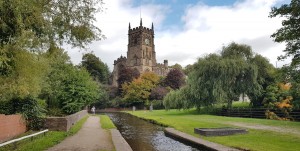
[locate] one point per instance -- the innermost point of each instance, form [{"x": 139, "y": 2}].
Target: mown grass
[
  {"x": 106, "y": 123},
  {"x": 41, "y": 142},
  {"x": 260, "y": 140}
]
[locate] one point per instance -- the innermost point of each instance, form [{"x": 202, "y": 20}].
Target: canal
[{"x": 144, "y": 136}]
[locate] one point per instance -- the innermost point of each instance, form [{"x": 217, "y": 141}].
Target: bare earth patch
[
  {"x": 266, "y": 127},
  {"x": 91, "y": 137}
]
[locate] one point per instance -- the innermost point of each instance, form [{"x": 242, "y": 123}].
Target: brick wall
[
  {"x": 64, "y": 123},
  {"x": 11, "y": 126}
]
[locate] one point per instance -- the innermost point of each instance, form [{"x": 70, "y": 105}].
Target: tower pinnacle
[
  {"x": 129, "y": 26},
  {"x": 152, "y": 27},
  {"x": 141, "y": 22}
]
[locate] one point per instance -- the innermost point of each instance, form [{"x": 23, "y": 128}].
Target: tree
[
  {"x": 78, "y": 91},
  {"x": 176, "y": 66},
  {"x": 222, "y": 78},
  {"x": 139, "y": 90},
  {"x": 98, "y": 70},
  {"x": 126, "y": 75},
  {"x": 266, "y": 73},
  {"x": 175, "y": 79},
  {"x": 26, "y": 75},
  {"x": 187, "y": 69},
  {"x": 44, "y": 23},
  {"x": 290, "y": 32},
  {"x": 158, "y": 93}
]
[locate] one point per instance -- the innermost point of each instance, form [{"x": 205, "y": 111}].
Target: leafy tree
[
  {"x": 265, "y": 76},
  {"x": 290, "y": 32},
  {"x": 139, "y": 90},
  {"x": 176, "y": 66},
  {"x": 158, "y": 93},
  {"x": 178, "y": 99},
  {"x": 175, "y": 79},
  {"x": 95, "y": 67},
  {"x": 26, "y": 76},
  {"x": 126, "y": 75},
  {"x": 279, "y": 98},
  {"x": 49, "y": 22},
  {"x": 187, "y": 69},
  {"x": 222, "y": 78},
  {"x": 68, "y": 88},
  {"x": 79, "y": 90}
]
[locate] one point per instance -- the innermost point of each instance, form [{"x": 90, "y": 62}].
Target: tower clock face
[{"x": 147, "y": 41}]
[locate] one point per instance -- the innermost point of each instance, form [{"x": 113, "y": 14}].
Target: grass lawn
[
  {"x": 106, "y": 123},
  {"x": 41, "y": 142},
  {"x": 260, "y": 140}
]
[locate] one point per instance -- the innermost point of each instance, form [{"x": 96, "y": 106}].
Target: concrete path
[{"x": 91, "y": 137}]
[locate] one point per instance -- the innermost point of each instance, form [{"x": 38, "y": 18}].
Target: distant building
[{"x": 141, "y": 55}]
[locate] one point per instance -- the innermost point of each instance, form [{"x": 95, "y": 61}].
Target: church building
[{"x": 141, "y": 55}]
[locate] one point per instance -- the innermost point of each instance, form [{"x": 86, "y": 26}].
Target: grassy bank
[
  {"x": 106, "y": 123},
  {"x": 260, "y": 140},
  {"x": 41, "y": 142}
]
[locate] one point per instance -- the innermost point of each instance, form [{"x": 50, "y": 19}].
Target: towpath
[{"x": 91, "y": 137}]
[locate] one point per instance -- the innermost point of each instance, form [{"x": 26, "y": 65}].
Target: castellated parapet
[{"x": 119, "y": 60}]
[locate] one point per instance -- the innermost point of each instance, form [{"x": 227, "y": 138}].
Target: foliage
[
  {"x": 176, "y": 66},
  {"x": 139, "y": 89},
  {"x": 265, "y": 77},
  {"x": 126, "y": 75},
  {"x": 98, "y": 70},
  {"x": 177, "y": 99},
  {"x": 79, "y": 90},
  {"x": 188, "y": 69},
  {"x": 33, "y": 67},
  {"x": 46, "y": 23},
  {"x": 290, "y": 32},
  {"x": 106, "y": 123},
  {"x": 158, "y": 93},
  {"x": 279, "y": 98},
  {"x": 175, "y": 79},
  {"x": 185, "y": 121},
  {"x": 222, "y": 78},
  {"x": 215, "y": 81},
  {"x": 25, "y": 77},
  {"x": 33, "y": 110}
]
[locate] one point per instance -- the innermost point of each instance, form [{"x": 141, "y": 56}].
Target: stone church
[{"x": 141, "y": 55}]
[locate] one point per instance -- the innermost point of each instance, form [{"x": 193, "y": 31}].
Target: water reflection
[{"x": 144, "y": 136}]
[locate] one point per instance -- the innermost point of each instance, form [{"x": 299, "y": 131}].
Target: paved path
[{"x": 91, "y": 137}]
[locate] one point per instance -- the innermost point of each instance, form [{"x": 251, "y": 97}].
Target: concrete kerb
[
  {"x": 197, "y": 141},
  {"x": 118, "y": 141}
]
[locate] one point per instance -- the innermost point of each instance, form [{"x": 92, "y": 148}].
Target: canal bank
[
  {"x": 144, "y": 136},
  {"x": 189, "y": 139}
]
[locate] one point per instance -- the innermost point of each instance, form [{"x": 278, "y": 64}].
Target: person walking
[{"x": 93, "y": 109}]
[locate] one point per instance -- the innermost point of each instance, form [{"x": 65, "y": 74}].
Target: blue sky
[
  {"x": 176, "y": 8},
  {"x": 188, "y": 29}
]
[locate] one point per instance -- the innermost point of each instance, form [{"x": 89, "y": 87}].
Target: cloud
[
  {"x": 205, "y": 29},
  {"x": 208, "y": 28}
]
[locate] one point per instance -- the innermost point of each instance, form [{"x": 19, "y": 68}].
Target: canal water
[{"x": 144, "y": 136}]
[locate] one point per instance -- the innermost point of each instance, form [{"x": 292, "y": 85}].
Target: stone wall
[
  {"x": 11, "y": 126},
  {"x": 64, "y": 123}
]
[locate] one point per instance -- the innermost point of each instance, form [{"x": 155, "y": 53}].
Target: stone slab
[
  {"x": 219, "y": 131},
  {"x": 197, "y": 141}
]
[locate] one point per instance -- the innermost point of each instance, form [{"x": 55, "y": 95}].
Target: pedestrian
[{"x": 93, "y": 109}]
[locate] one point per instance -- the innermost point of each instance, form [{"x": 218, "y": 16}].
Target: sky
[{"x": 187, "y": 29}]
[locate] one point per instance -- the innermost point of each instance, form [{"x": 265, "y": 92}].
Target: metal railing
[{"x": 24, "y": 137}]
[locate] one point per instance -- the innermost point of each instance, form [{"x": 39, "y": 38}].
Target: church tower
[
  {"x": 141, "y": 49},
  {"x": 141, "y": 55}
]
